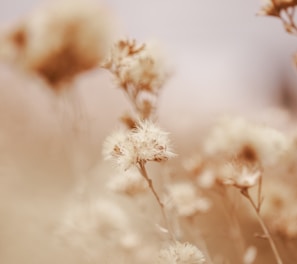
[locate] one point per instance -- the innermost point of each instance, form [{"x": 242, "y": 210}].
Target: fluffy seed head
[
  {"x": 59, "y": 41},
  {"x": 181, "y": 253},
  {"x": 139, "y": 67},
  {"x": 145, "y": 143},
  {"x": 236, "y": 137}
]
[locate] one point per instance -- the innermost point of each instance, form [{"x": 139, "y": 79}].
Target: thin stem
[
  {"x": 263, "y": 226},
  {"x": 259, "y": 198},
  {"x": 143, "y": 172}
]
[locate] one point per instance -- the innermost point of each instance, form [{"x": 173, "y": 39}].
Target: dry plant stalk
[
  {"x": 138, "y": 72},
  {"x": 244, "y": 180},
  {"x": 257, "y": 208}
]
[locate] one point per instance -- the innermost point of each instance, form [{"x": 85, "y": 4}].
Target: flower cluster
[
  {"x": 99, "y": 216},
  {"x": 144, "y": 143},
  {"x": 186, "y": 200},
  {"x": 181, "y": 253},
  {"x": 140, "y": 71},
  {"x": 137, "y": 66},
  {"x": 242, "y": 177},
  {"x": 250, "y": 143},
  {"x": 279, "y": 209},
  {"x": 129, "y": 182}
]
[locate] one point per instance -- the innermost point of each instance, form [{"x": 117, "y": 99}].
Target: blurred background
[
  {"x": 225, "y": 60},
  {"x": 224, "y": 56}
]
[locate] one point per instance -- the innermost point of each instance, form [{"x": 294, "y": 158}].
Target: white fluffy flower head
[
  {"x": 139, "y": 66},
  {"x": 181, "y": 253},
  {"x": 232, "y": 136},
  {"x": 239, "y": 175},
  {"x": 186, "y": 200},
  {"x": 145, "y": 143}
]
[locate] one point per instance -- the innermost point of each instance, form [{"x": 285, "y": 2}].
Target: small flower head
[
  {"x": 239, "y": 175},
  {"x": 144, "y": 143},
  {"x": 138, "y": 67},
  {"x": 60, "y": 41},
  {"x": 186, "y": 200},
  {"x": 279, "y": 208},
  {"x": 88, "y": 226},
  {"x": 152, "y": 143},
  {"x": 251, "y": 143},
  {"x": 120, "y": 148},
  {"x": 129, "y": 182},
  {"x": 181, "y": 253}
]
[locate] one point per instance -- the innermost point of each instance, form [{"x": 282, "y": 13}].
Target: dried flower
[
  {"x": 285, "y": 223},
  {"x": 128, "y": 182},
  {"x": 239, "y": 176},
  {"x": 59, "y": 41},
  {"x": 86, "y": 226},
  {"x": 185, "y": 199},
  {"x": 141, "y": 71},
  {"x": 144, "y": 143},
  {"x": 235, "y": 137},
  {"x": 279, "y": 209},
  {"x": 139, "y": 66},
  {"x": 181, "y": 253}
]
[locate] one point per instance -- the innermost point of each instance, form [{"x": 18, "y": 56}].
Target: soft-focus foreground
[{"x": 221, "y": 192}]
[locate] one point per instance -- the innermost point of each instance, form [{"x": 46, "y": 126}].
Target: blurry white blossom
[
  {"x": 185, "y": 199},
  {"x": 237, "y": 137},
  {"x": 250, "y": 255},
  {"x": 128, "y": 182},
  {"x": 60, "y": 40},
  {"x": 239, "y": 176},
  {"x": 279, "y": 208},
  {"x": 206, "y": 179},
  {"x": 181, "y": 253},
  {"x": 88, "y": 225}
]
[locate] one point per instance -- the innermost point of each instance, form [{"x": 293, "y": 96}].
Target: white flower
[
  {"x": 181, "y": 253},
  {"x": 139, "y": 66},
  {"x": 120, "y": 148},
  {"x": 206, "y": 179},
  {"x": 97, "y": 225},
  {"x": 186, "y": 200},
  {"x": 61, "y": 40},
  {"x": 144, "y": 143},
  {"x": 237, "y": 137},
  {"x": 152, "y": 144},
  {"x": 238, "y": 175},
  {"x": 129, "y": 182}
]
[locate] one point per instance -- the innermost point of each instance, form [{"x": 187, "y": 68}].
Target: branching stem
[{"x": 246, "y": 194}]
